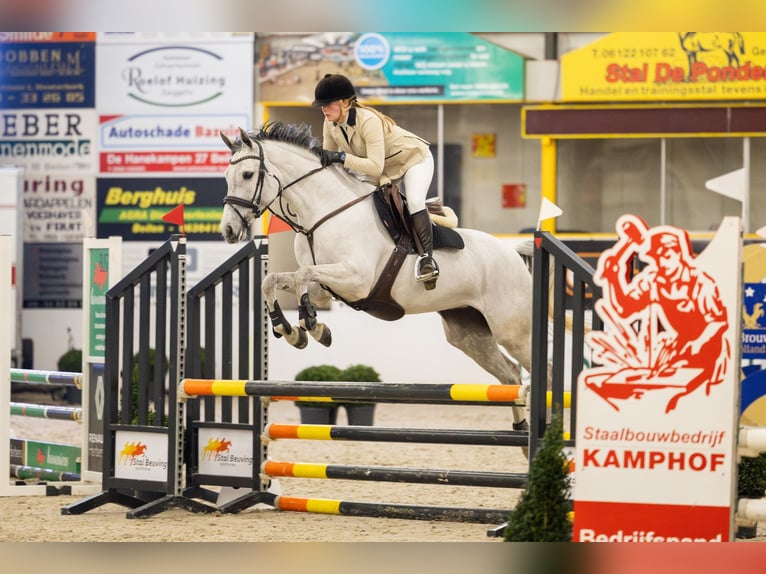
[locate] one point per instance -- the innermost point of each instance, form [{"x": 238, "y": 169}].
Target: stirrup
[{"x": 422, "y": 261}]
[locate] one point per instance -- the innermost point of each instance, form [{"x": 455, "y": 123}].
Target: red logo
[
  {"x": 131, "y": 450},
  {"x": 214, "y": 447},
  {"x": 664, "y": 326},
  {"x": 100, "y": 276}
]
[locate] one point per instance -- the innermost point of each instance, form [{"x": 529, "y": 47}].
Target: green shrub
[
  {"x": 542, "y": 514},
  {"x": 318, "y": 373},
  {"x": 360, "y": 374},
  {"x": 751, "y": 482},
  {"x": 134, "y": 388},
  {"x": 71, "y": 361}
]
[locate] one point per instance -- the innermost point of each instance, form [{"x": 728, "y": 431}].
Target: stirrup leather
[{"x": 424, "y": 261}]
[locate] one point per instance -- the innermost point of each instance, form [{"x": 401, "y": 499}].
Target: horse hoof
[
  {"x": 297, "y": 338},
  {"x": 521, "y": 425},
  {"x": 325, "y": 337}
]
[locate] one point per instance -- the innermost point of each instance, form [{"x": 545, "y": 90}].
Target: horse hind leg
[{"x": 467, "y": 330}]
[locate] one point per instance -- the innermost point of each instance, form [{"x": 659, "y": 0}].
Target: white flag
[
  {"x": 730, "y": 184},
  {"x": 548, "y": 209}
]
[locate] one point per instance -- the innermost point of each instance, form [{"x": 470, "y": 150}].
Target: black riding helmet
[{"x": 331, "y": 88}]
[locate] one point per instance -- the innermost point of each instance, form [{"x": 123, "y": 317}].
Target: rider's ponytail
[{"x": 388, "y": 122}]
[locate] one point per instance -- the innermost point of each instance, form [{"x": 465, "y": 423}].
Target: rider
[{"x": 366, "y": 141}]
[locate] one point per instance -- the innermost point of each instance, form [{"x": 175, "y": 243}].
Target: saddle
[{"x": 391, "y": 206}]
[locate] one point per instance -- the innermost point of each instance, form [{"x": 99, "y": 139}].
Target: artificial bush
[{"x": 542, "y": 514}]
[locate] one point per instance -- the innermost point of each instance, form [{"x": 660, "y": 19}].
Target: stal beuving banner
[
  {"x": 667, "y": 66},
  {"x": 401, "y": 66}
]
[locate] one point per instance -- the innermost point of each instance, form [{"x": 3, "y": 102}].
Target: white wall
[{"x": 412, "y": 349}]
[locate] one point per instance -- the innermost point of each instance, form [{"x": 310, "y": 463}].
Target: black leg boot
[{"x": 426, "y": 268}]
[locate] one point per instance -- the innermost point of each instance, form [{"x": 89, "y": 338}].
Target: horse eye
[{"x": 248, "y": 175}]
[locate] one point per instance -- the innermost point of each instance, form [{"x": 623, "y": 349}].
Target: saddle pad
[{"x": 444, "y": 237}]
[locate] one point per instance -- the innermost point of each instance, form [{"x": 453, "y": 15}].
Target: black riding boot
[{"x": 426, "y": 268}]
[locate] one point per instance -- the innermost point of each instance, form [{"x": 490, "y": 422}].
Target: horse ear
[
  {"x": 245, "y": 138},
  {"x": 226, "y": 140}
]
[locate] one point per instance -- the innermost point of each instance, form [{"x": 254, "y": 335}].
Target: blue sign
[
  {"x": 754, "y": 321},
  {"x": 47, "y": 74}
]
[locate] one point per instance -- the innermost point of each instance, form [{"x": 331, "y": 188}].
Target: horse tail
[{"x": 526, "y": 249}]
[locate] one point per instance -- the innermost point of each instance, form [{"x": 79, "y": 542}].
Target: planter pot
[
  {"x": 360, "y": 415},
  {"x": 315, "y": 415}
]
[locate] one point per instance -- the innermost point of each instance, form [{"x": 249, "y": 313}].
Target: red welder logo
[{"x": 664, "y": 326}]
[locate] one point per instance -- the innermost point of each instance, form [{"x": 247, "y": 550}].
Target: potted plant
[
  {"x": 360, "y": 413},
  {"x": 326, "y": 411},
  {"x": 318, "y": 412},
  {"x": 70, "y": 362}
]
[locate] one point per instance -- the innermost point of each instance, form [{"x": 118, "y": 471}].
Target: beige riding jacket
[{"x": 370, "y": 150}]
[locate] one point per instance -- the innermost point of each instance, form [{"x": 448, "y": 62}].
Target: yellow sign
[
  {"x": 677, "y": 66},
  {"x": 483, "y": 145}
]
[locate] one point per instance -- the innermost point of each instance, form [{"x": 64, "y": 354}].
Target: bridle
[
  {"x": 263, "y": 171},
  {"x": 252, "y": 204}
]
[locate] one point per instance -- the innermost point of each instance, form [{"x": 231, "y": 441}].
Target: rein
[{"x": 253, "y": 202}]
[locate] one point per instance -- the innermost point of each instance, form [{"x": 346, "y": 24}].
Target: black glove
[{"x": 328, "y": 157}]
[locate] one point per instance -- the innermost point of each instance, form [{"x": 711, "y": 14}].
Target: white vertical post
[
  {"x": 663, "y": 181},
  {"x": 440, "y": 150},
  {"x": 5, "y": 356},
  {"x": 746, "y": 190}
]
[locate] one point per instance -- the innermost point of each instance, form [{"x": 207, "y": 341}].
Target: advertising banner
[
  {"x": 225, "y": 452},
  {"x": 52, "y": 276},
  {"x": 153, "y": 142},
  {"x": 401, "y": 66},
  {"x": 59, "y": 207},
  {"x": 49, "y": 140},
  {"x": 164, "y": 98},
  {"x": 754, "y": 322},
  {"x": 194, "y": 73},
  {"x": 141, "y": 456},
  {"x": 657, "y": 419},
  {"x": 133, "y": 208},
  {"x": 666, "y": 66},
  {"x": 47, "y": 70}
]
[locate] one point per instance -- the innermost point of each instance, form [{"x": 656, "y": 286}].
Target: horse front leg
[
  {"x": 307, "y": 313},
  {"x": 308, "y": 283},
  {"x": 281, "y": 327}
]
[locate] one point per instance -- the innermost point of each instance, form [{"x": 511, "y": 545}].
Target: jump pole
[
  {"x": 378, "y": 392},
  {"x": 275, "y": 431}
]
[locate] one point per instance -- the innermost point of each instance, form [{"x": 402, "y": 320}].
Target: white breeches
[{"x": 417, "y": 180}]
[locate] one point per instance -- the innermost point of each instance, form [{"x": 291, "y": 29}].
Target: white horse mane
[{"x": 299, "y": 135}]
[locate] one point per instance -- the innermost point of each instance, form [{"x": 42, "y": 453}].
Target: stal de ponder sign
[{"x": 657, "y": 418}]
